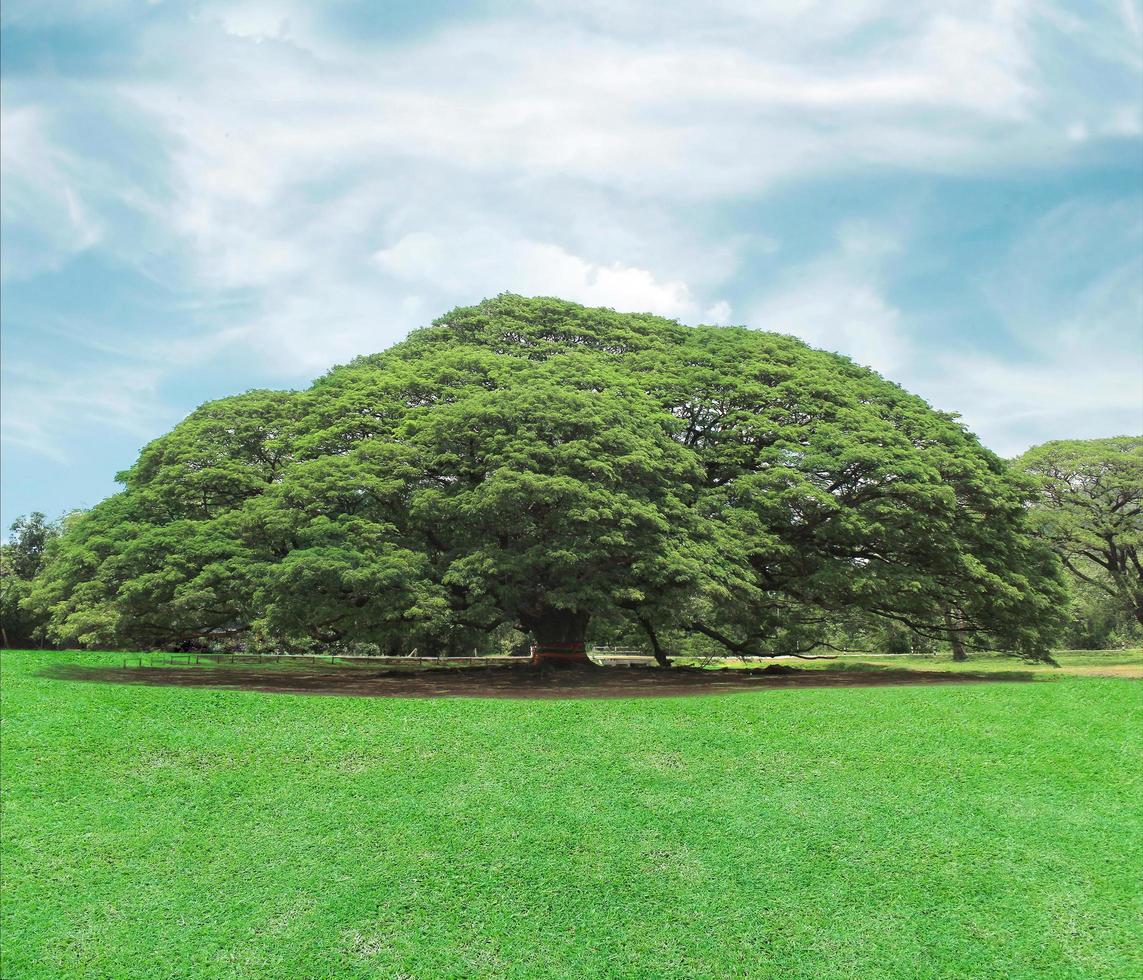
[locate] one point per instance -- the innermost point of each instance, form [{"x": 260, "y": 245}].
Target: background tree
[
  {"x": 1098, "y": 620},
  {"x": 1089, "y": 506},
  {"x": 21, "y": 558},
  {"x": 536, "y": 464},
  {"x": 28, "y": 536}
]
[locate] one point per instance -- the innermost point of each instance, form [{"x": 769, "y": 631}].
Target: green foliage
[
  {"x": 1098, "y": 619},
  {"x": 28, "y": 537},
  {"x": 983, "y": 831},
  {"x": 20, "y": 626},
  {"x": 21, "y": 558},
  {"x": 1088, "y": 506},
  {"x": 532, "y": 463}
]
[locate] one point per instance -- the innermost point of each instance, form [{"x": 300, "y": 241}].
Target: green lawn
[{"x": 967, "y": 830}]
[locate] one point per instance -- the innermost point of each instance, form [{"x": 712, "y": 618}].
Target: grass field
[{"x": 968, "y": 831}]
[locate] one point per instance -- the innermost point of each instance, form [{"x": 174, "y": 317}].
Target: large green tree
[
  {"x": 1089, "y": 506},
  {"x": 562, "y": 469}
]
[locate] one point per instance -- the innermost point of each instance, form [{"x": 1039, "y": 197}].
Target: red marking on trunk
[{"x": 562, "y": 652}]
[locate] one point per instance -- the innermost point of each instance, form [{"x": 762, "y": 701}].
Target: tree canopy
[
  {"x": 1090, "y": 509},
  {"x": 561, "y": 469}
]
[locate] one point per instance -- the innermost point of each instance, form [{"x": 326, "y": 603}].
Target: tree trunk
[
  {"x": 660, "y": 657},
  {"x": 958, "y": 651},
  {"x": 559, "y": 636}
]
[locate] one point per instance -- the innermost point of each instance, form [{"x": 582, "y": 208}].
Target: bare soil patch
[{"x": 509, "y": 680}]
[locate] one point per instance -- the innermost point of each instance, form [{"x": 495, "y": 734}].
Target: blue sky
[{"x": 204, "y": 198}]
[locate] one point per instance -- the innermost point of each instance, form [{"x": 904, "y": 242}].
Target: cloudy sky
[{"x": 207, "y": 197}]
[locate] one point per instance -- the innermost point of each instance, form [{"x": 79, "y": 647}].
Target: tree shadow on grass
[{"x": 514, "y": 680}]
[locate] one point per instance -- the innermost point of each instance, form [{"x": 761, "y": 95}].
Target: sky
[{"x": 203, "y": 198}]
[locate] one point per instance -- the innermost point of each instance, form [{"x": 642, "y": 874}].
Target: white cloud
[
  {"x": 1074, "y": 367},
  {"x": 324, "y": 192},
  {"x": 718, "y": 314},
  {"x": 1094, "y": 297},
  {"x": 44, "y": 409},
  {"x": 328, "y": 314},
  {"x": 1070, "y": 296},
  {"x": 837, "y": 313},
  {"x": 1013, "y": 406},
  {"x": 295, "y": 151},
  {"x": 837, "y": 302},
  {"x": 517, "y": 97},
  {"x": 464, "y": 263},
  {"x": 45, "y": 217}
]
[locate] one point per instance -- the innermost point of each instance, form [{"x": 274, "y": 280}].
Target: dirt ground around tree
[{"x": 511, "y": 680}]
